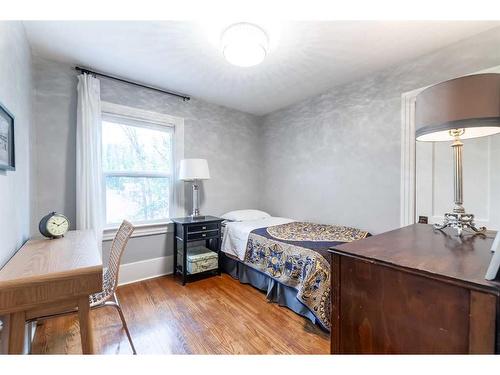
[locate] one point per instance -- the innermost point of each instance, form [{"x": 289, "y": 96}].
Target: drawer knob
[
  {"x": 203, "y": 227},
  {"x": 204, "y": 234}
]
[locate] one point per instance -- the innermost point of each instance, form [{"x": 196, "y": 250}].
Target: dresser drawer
[
  {"x": 202, "y": 227},
  {"x": 203, "y": 235}
]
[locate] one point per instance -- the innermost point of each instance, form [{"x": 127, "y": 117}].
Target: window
[{"x": 138, "y": 169}]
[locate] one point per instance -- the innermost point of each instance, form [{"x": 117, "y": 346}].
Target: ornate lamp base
[{"x": 460, "y": 221}]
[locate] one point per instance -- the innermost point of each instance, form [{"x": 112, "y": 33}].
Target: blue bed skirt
[{"x": 276, "y": 292}]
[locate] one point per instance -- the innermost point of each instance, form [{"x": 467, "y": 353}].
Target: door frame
[{"x": 408, "y": 158}]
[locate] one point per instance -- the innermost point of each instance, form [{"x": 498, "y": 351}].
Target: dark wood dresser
[{"x": 414, "y": 290}]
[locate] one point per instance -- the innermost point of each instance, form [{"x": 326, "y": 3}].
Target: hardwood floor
[{"x": 217, "y": 315}]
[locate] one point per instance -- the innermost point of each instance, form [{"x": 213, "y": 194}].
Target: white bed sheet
[{"x": 236, "y": 234}]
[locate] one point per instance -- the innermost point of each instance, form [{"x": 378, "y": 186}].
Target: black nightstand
[{"x": 188, "y": 233}]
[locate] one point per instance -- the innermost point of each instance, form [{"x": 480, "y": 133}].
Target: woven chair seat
[
  {"x": 107, "y": 290},
  {"x": 110, "y": 274}
]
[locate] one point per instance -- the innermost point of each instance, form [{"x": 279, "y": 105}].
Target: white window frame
[{"x": 151, "y": 119}]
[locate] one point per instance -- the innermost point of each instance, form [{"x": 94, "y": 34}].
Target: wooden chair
[{"x": 107, "y": 297}]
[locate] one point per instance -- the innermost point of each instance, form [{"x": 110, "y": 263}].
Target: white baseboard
[{"x": 145, "y": 269}]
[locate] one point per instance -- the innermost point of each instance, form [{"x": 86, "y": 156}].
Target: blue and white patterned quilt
[{"x": 296, "y": 254}]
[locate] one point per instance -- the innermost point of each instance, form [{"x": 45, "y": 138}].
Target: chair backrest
[{"x": 117, "y": 247}]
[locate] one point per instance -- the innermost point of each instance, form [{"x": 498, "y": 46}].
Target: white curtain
[{"x": 89, "y": 200}]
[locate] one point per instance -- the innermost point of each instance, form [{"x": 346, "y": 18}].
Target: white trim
[
  {"x": 140, "y": 114},
  {"x": 146, "y": 174},
  {"x": 141, "y": 230},
  {"x": 145, "y": 269},
  {"x": 179, "y": 208},
  {"x": 408, "y": 147}
]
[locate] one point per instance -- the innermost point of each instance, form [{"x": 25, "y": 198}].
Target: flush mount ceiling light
[{"x": 244, "y": 44}]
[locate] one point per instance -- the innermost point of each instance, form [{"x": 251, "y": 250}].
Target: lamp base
[
  {"x": 460, "y": 221},
  {"x": 197, "y": 217}
]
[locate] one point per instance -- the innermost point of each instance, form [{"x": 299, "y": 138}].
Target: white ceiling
[{"x": 306, "y": 58}]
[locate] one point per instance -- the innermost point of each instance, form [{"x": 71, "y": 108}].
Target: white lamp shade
[{"x": 194, "y": 169}]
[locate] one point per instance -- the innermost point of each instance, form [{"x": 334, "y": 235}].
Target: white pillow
[{"x": 245, "y": 215}]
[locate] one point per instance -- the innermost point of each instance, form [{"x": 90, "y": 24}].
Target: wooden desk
[
  {"x": 414, "y": 290},
  {"x": 49, "y": 276}
]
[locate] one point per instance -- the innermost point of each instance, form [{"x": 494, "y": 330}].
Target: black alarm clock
[{"x": 54, "y": 225}]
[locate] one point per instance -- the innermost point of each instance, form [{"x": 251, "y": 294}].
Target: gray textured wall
[
  {"x": 335, "y": 158},
  {"x": 54, "y": 108},
  {"x": 228, "y": 139},
  {"x": 15, "y": 95}
]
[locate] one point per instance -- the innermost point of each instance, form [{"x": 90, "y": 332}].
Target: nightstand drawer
[
  {"x": 202, "y": 227},
  {"x": 203, "y": 235}
]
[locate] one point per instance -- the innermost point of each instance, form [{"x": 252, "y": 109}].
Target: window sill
[{"x": 141, "y": 230}]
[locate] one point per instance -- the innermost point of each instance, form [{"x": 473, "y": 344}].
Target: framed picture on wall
[{"x": 7, "y": 153}]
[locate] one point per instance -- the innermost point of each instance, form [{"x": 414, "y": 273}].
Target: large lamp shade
[
  {"x": 461, "y": 108},
  {"x": 194, "y": 169},
  {"x": 471, "y": 103}
]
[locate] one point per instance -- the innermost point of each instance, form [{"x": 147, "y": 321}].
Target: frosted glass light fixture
[{"x": 244, "y": 44}]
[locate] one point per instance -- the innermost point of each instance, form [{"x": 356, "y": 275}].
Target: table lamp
[
  {"x": 462, "y": 108},
  {"x": 193, "y": 170}
]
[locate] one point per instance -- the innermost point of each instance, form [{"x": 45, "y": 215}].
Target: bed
[{"x": 287, "y": 259}]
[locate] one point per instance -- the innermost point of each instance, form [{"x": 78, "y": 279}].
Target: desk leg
[
  {"x": 17, "y": 323},
  {"x": 85, "y": 325}
]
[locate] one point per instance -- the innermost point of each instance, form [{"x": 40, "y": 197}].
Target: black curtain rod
[{"x": 83, "y": 70}]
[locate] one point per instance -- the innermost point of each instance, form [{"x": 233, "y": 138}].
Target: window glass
[
  {"x": 132, "y": 148},
  {"x": 140, "y": 199},
  {"x": 137, "y": 167}
]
